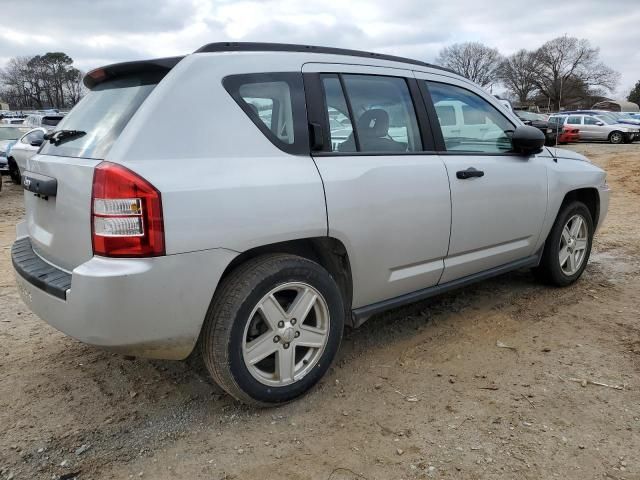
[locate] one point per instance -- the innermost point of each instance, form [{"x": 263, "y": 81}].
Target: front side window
[
  {"x": 468, "y": 122},
  {"x": 275, "y": 103},
  {"x": 591, "y": 121},
  {"x": 36, "y": 135}
]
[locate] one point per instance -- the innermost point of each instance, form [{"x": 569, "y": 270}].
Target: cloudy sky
[{"x": 97, "y": 32}]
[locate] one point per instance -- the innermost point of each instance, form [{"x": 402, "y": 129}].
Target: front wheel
[
  {"x": 14, "y": 172},
  {"x": 568, "y": 246},
  {"x": 616, "y": 137},
  {"x": 273, "y": 329}
]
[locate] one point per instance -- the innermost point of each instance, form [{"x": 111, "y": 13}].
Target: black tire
[
  {"x": 239, "y": 293},
  {"x": 14, "y": 171},
  {"x": 616, "y": 137},
  {"x": 549, "y": 270}
]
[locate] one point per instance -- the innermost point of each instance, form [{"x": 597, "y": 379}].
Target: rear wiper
[{"x": 59, "y": 136}]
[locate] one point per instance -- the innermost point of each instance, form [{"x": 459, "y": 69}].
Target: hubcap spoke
[
  {"x": 272, "y": 312},
  {"x": 572, "y": 263},
  {"x": 566, "y": 235},
  {"x": 576, "y": 226},
  {"x": 302, "y": 304},
  {"x": 286, "y": 364},
  {"x": 580, "y": 245},
  {"x": 311, "y": 337},
  {"x": 564, "y": 255},
  {"x": 260, "y": 348}
]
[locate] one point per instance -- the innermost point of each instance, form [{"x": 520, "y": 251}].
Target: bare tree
[
  {"x": 567, "y": 66},
  {"x": 518, "y": 73},
  {"x": 472, "y": 60},
  {"x": 48, "y": 80}
]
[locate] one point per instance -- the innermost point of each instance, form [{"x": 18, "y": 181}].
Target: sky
[{"x": 99, "y": 32}]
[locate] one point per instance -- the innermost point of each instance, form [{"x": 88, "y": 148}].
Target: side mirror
[
  {"x": 37, "y": 143},
  {"x": 600, "y": 124},
  {"x": 527, "y": 122},
  {"x": 527, "y": 140}
]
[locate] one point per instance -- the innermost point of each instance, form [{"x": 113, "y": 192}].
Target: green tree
[{"x": 634, "y": 96}]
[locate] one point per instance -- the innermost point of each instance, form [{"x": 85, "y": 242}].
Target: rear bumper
[{"x": 151, "y": 307}]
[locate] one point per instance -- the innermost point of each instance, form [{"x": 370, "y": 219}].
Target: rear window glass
[
  {"x": 102, "y": 115},
  {"x": 51, "y": 121},
  {"x": 275, "y": 103}
]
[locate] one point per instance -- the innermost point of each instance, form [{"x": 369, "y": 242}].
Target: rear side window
[
  {"x": 102, "y": 115},
  {"x": 380, "y": 108},
  {"x": 275, "y": 103},
  {"x": 573, "y": 120}
]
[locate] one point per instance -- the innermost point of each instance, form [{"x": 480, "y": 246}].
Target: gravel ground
[{"x": 419, "y": 392}]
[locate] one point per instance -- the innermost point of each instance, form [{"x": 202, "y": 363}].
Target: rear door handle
[{"x": 469, "y": 173}]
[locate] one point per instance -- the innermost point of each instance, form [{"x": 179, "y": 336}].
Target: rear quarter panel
[{"x": 223, "y": 183}]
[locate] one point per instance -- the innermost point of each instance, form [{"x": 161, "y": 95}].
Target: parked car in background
[
  {"x": 9, "y": 134},
  {"x": 599, "y": 128},
  {"x": 43, "y": 120},
  {"x": 540, "y": 121},
  {"x": 274, "y": 236},
  {"x": 12, "y": 121},
  {"x": 615, "y": 117},
  {"x": 569, "y": 134},
  {"x": 22, "y": 150}
]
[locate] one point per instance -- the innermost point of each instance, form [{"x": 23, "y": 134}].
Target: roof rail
[{"x": 292, "y": 47}]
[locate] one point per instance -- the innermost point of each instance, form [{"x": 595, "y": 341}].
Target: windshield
[
  {"x": 607, "y": 119},
  {"x": 10, "y": 133},
  {"x": 102, "y": 114}
]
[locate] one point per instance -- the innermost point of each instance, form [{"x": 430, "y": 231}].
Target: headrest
[{"x": 374, "y": 123}]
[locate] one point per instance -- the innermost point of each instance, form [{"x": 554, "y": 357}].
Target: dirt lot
[{"x": 419, "y": 392}]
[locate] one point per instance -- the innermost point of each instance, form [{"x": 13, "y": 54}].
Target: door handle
[{"x": 469, "y": 173}]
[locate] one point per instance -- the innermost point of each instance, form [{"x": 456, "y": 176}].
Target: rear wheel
[
  {"x": 568, "y": 246},
  {"x": 14, "y": 171},
  {"x": 273, "y": 329},
  {"x": 616, "y": 137}
]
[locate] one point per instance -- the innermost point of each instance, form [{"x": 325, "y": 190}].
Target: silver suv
[{"x": 312, "y": 188}]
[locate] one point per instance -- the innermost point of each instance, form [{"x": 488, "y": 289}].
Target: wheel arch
[
  {"x": 589, "y": 196},
  {"x": 328, "y": 252}
]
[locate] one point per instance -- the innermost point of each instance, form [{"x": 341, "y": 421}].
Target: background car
[
  {"x": 598, "y": 128},
  {"x": 541, "y": 123},
  {"x": 22, "y": 150},
  {"x": 8, "y": 136},
  {"x": 568, "y": 135},
  {"x": 42, "y": 120}
]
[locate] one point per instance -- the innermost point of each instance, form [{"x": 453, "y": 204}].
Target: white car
[
  {"x": 22, "y": 150},
  {"x": 276, "y": 232},
  {"x": 43, "y": 120}
]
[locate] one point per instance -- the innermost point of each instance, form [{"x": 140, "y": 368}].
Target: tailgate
[{"x": 60, "y": 225}]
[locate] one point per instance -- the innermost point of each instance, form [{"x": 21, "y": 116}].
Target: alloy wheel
[
  {"x": 286, "y": 334},
  {"x": 573, "y": 245}
]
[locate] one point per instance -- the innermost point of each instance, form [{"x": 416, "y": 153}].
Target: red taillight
[{"x": 126, "y": 214}]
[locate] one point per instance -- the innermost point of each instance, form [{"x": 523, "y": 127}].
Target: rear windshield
[
  {"x": 102, "y": 114},
  {"x": 51, "y": 121}
]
